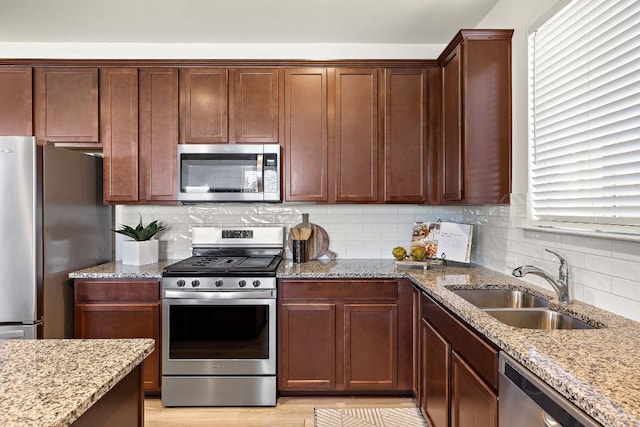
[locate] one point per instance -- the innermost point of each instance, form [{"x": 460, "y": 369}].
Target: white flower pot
[{"x": 139, "y": 253}]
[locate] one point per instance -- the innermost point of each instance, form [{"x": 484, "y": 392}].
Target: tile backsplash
[{"x": 604, "y": 272}]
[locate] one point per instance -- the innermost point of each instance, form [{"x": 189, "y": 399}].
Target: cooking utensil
[{"x": 318, "y": 241}]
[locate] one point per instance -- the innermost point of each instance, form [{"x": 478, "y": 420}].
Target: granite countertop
[
  {"x": 595, "y": 369},
  {"x": 53, "y": 382},
  {"x": 118, "y": 270}
]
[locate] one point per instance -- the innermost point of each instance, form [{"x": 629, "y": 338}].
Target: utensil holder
[{"x": 300, "y": 251}]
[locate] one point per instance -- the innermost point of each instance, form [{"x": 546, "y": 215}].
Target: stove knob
[
  {"x": 218, "y": 283},
  {"x": 242, "y": 283},
  {"x": 256, "y": 283},
  {"x": 195, "y": 283},
  {"x": 180, "y": 283}
]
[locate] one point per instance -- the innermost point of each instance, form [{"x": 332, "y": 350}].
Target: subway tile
[
  {"x": 590, "y": 279},
  {"x": 626, "y": 250},
  {"x": 591, "y": 245},
  {"x": 626, "y": 288},
  {"x": 344, "y": 209},
  {"x": 549, "y": 240},
  {"x": 613, "y": 267},
  {"x": 362, "y": 254},
  {"x": 623, "y": 306}
]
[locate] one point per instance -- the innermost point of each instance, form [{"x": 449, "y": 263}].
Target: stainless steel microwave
[{"x": 229, "y": 173}]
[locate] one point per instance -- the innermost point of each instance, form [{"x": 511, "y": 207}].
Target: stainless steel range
[{"x": 219, "y": 319}]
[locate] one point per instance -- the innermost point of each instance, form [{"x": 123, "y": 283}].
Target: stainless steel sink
[
  {"x": 537, "y": 319},
  {"x": 500, "y": 298}
]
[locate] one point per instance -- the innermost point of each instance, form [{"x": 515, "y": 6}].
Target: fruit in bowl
[{"x": 399, "y": 253}]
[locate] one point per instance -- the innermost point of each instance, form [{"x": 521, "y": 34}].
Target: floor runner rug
[{"x": 369, "y": 417}]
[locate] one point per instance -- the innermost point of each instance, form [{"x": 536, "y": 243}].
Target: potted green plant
[{"x": 140, "y": 248}]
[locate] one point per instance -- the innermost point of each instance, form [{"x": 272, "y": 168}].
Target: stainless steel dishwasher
[{"x": 526, "y": 401}]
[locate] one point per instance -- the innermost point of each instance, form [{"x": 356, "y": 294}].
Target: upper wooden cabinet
[
  {"x": 452, "y": 144},
  {"x": 475, "y": 161},
  {"x": 355, "y": 143},
  {"x": 220, "y": 105},
  {"x": 255, "y": 110},
  {"x": 305, "y": 135},
  {"x": 158, "y": 134},
  {"x": 16, "y": 107},
  {"x": 356, "y": 135},
  {"x": 405, "y": 135},
  {"x": 139, "y": 130},
  {"x": 119, "y": 133},
  {"x": 66, "y": 104},
  {"x": 204, "y": 105}
]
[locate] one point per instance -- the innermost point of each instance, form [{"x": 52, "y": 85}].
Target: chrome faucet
[{"x": 561, "y": 286}]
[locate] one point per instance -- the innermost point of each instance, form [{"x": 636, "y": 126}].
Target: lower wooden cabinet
[
  {"x": 459, "y": 371},
  {"x": 121, "y": 309},
  {"x": 435, "y": 368},
  {"x": 307, "y": 354},
  {"x": 473, "y": 402},
  {"x": 344, "y": 335}
]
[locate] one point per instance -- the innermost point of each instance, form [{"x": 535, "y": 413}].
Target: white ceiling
[{"x": 239, "y": 21}]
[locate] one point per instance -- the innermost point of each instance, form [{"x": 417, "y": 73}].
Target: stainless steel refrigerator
[{"x": 52, "y": 222}]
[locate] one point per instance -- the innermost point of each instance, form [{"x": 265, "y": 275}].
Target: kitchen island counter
[{"x": 55, "y": 382}]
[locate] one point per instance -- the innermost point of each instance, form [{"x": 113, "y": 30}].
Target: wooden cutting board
[{"x": 318, "y": 244}]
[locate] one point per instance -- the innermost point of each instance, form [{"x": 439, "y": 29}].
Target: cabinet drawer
[
  {"x": 339, "y": 289},
  {"x": 116, "y": 290},
  {"x": 479, "y": 354}
]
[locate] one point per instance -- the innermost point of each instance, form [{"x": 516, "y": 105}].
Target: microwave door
[{"x": 228, "y": 173}]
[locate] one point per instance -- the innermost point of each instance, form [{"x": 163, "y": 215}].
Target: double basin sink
[{"x": 519, "y": 309}]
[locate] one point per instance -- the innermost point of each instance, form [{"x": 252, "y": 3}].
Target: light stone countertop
[
  {"x": 598, "y": 370},
  {"x": 53, "y": 382}
]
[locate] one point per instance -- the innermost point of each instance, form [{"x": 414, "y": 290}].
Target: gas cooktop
[{"x": 224, "y": 265}]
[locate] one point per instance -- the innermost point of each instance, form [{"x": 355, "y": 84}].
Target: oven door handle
[{"x": 219, "y": 295}]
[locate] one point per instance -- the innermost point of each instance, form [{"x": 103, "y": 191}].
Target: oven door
[{"x": 218, "y": 333}]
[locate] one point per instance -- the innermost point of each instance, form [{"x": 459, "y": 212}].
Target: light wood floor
[{"x": 290, "y": 412}]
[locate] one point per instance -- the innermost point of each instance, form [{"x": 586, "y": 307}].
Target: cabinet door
[
  {"x": 16, "y": 106},
  {"x": 158, "y": 134},
  {"x": 487, "y": 120},
  {"x": 436, "y": 363},
  {"x": 370, "y": 346},
  {"x": 405, "y": 149},
  {"x": 305, "y": 135},
  {"x": 452, "y": 146},
  {"x": 307, "y": 346},
  {"x": 124, "y": 321},
  {"x": 473, "y": 403},
  {"x": 355, "y": 143},
  {"x": 66, "y": 104},
  {"x": 119, "y": 133},
  {"x": 255, "y": 110},
  {"x": 204, "y": 105},
  {"x": 416, "y": 318}
]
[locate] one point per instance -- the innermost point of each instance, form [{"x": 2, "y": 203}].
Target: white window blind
[{"x": 585, "y": 114}]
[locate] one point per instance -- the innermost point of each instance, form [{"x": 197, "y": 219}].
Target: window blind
[{"x": 584, "y": 76}]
